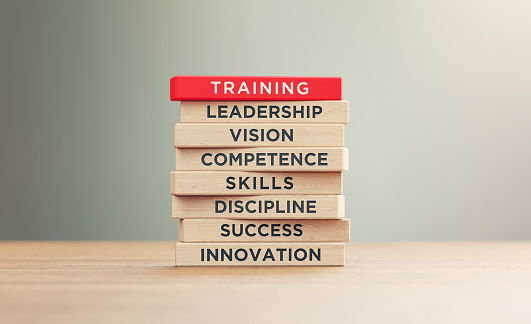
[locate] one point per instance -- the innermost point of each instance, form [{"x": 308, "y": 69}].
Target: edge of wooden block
[
  {"x": 348, "y": 228},
  {"x": 346, "y": 161},
  {"x": 341, "y": 206},
  {"x": 182, "y": 231},
  {"x": 172, "y": 182},
  {"x": 348, "y": 112}
]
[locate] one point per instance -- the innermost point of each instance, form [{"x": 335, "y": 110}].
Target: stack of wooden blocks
[{"x": 258, "y": 178}]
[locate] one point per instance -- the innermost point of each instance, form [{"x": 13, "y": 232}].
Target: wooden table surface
[{"x": 136, "y": 282}]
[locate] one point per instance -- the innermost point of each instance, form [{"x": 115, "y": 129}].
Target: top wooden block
[
  {"x": 254, "y": 88},
  {"x": 292, "y": 112}
]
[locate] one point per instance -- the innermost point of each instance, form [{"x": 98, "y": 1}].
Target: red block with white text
[{"x": 254, "y": 88}]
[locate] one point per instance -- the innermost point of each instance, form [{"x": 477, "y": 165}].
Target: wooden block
[
  {"x": 263, "y": 159},
  {"x": 225, "y": 230},
  {"x": 259, "y": 207},
  {"x": 257, "y": 135},
  {"x": 306, "y": 112},
  {"x": 252, "y": 183},
  {"x": 260, "y": 254},
  {"x": 186, "y": 87}
]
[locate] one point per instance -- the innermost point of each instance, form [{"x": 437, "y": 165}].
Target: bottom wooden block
[{"x": 260, "y": 254}]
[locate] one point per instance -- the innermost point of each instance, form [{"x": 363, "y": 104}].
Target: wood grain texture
[
  {"x": 320, "y": 112},
  {"x": 315, "y": 159},
  {"x": 226, "y": 207},
  {"x": 225, "y": 230},
  {"x": 260, "y": 254},
  {"x": 137, "y": 282},
  {"x": 286, "y": 135},
  {"x": 283, "y": 183}
]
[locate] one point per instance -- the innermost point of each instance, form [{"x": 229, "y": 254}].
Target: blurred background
[{"x": 439, "y": 91}]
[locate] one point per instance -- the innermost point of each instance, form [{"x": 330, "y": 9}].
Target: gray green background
[{"x": 439, "y": 91}]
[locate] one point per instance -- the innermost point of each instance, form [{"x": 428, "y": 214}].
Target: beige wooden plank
[
  {"x": 258, "y": 135},
  {"x": 259, "y": 207},
  {"x": 307, "y": 112},
  {"x": 263, "y": 159},
  {"x": 252, "y": 183},
  {"x": 226, "y": 230},
  {"x": 260, "y": 254},
  {"x": 137, "y": 282}
]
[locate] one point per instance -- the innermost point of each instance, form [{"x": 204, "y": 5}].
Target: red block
[{"x": 254, "y": 88}]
